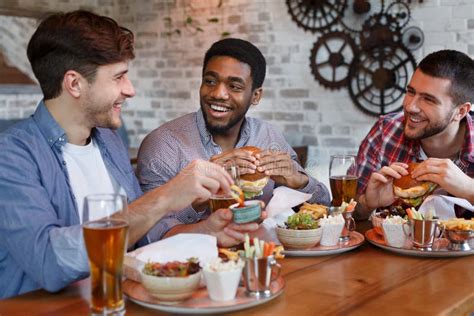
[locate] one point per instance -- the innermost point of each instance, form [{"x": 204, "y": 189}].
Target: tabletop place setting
[{"x": 193, "y": 278}]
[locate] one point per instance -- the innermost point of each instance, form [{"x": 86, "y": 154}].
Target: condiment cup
[
  {"x": 331, "y": 234},
  {"x": 222, "y": 285},
  {"x": 250, "y": 212},
  {"x": 458, "y": 239},
  {"x": 395, "y": 234}
]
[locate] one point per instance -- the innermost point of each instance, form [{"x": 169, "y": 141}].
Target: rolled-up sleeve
[{"x": 158, "y": 162}]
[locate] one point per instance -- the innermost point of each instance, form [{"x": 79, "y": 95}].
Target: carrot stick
[
  {"x": 271, "y": 247},
  {"x": 410, "y": 213},
  {"x": 266, "y": 246}
]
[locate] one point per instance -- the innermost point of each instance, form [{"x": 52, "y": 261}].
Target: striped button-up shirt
[
  {"x": 386, "y": 143},
  {"x": 172, "y": 146}
]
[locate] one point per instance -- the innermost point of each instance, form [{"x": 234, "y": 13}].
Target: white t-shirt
[{"x": 87, "y": 173}]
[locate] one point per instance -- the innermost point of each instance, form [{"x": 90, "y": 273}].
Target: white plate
[
  {"x": 356, "y": 239},
  {"x": 200, "y": 303},
  {"x": 439, "y": 248}
]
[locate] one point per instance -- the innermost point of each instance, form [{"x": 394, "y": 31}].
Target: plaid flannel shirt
[{"x": 386, "y": 144}]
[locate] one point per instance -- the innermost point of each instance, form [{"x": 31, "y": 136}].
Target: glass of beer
[
  {"x": 342, "y": 178},
  {"x": 220, "y": 200},
  {"x": 106, "y": 242}
]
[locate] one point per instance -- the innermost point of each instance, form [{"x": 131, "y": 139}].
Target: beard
[
  {"x": 431, "y": 129},
  {"x": 101, "y": 115},
  {"x": 222, "y": 129}
]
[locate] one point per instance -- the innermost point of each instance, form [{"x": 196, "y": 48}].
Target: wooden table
[{"x": 365, "y": 281}]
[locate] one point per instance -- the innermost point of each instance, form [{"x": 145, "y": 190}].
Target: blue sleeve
[{"x": 32, "y": 235}]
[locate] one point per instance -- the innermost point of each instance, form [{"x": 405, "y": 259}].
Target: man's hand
[
  {"x": 196, "y": 183},
  {"x": 243, "y": 159},
  {"x": 379, "y": 191},
  {"x": 447, "y": 175},
  {"x": 281, "y": 169},
  {"x": 220, "y": 225}
]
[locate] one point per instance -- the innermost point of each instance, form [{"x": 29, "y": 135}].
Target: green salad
[{"x": 301, "y": 221}]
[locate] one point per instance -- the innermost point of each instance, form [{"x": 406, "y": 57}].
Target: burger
[
  {"x": 410, "y": 191},
  {"x": 252, "y": 184}
]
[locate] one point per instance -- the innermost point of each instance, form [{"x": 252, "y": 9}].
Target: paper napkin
[{"x": 443, "y": 205}]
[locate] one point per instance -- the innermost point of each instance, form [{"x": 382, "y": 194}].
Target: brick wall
[{"x": 167, "y": 70}]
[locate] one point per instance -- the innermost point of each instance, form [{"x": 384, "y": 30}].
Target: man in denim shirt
[{"x": 69, "y": 148}]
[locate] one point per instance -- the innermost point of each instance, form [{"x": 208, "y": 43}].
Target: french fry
[
  {"x": 237, "y": 194},
  {"x": 458, "y": 224}
]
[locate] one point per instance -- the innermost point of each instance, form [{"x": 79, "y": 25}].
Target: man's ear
[
  {"x": 72, "y": 83},
  {"x": 463, "y": 110},
  {"x": 257, "y": 95}
]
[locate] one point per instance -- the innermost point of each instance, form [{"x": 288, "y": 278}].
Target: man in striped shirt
[
  {"x": 233, "y": 74},
  {"x": 435, "y": 127}
]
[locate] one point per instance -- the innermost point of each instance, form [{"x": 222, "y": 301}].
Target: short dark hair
[
  {"x": 455, "y": 66},
  {"x": 78, "y": 40},
  {"x": 243, "y": 51}
]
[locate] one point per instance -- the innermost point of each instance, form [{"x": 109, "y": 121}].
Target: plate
[
  {"x": 439, "y": 247},
  {"x": 356, "y": 239},
  {"x": 200, "y": 303}
]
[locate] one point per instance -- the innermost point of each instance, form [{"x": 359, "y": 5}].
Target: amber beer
[
  {"x": 106, "y": 243},
  {"x": 343, "y": 188},
  {"x": 217, "y": 202}
]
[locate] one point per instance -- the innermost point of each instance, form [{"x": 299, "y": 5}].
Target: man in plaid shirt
[{"x": 435, "y": 127}]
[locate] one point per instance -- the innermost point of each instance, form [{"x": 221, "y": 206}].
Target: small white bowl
[
  {"x": 171, "y": 289},
  {"x": 394, "y": 234},
  {"x": 331, "y": 233},
  {"x": 299, "y": 238},
  {"x": 222, "y": 286}
]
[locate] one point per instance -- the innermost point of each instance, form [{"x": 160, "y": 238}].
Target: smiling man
[
  {"x": 232, "y": 78},
  {"x": 69, "y": 149},
  {"x": 435, "y": 127}
]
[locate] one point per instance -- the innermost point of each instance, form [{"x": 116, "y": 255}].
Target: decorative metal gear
[
  {"x": 316, "y": 15},
  {"x": 358, "y": 11},
  {"x": 377, "y": 78},
  {"x": 413, "y": 38},
  {"x": 331, "y": 58},
  {"x": 380, "y": 30},
  {"x": 400, "y": 11}
]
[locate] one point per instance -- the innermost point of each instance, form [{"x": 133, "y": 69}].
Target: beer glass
[
  {"x": 105, "y": 238},
  {"x": 219, "y": 200},
  {"x": 342, "y": 178}
]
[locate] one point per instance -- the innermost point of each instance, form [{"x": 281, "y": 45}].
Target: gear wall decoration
[
  {"x": 357, "y": 12},
  {"x": 378, "y": 78},
  {"x": 315, "y": 15},
  {"x": 331, "y": 58},
  {"x": 371, "y": 56}
]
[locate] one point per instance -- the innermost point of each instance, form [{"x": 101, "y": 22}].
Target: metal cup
[
  {"x": 349, "y": 225},
  {"x": 258, "y": 275},
  {"x": 424, "y": 232}
]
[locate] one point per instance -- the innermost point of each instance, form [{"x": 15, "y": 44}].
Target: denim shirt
[{"x": 41, "y": 242}]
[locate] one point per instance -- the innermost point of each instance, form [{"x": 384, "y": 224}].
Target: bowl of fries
[{"x": 458, "y": 231}]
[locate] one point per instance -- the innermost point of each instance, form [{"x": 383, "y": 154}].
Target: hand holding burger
[
  {"x": 410, "y": 191},
  {"x": 253, "y": 183}
]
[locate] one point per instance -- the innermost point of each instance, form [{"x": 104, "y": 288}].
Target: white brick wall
[{"x": 167, "y": 71}]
